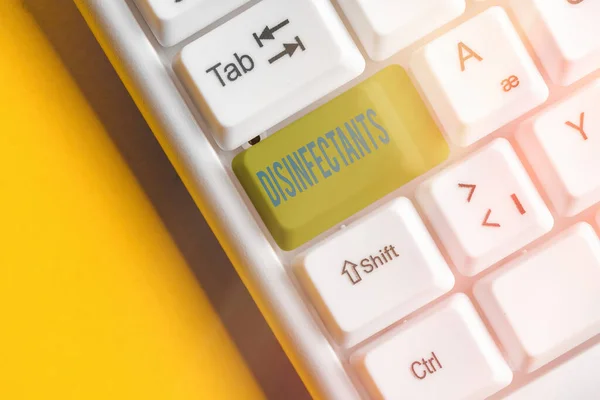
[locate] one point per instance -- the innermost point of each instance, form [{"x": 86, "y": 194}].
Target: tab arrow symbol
[
  {"x": 487, "y": 223},
  {"x": 288, "y": 49},
  {"x": 268, "y": 33},
  {"x": 349, "y": 269},
  {"x": 468, "y": 186}
]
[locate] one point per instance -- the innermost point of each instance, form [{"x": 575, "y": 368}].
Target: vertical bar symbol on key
[
  {"x": 518, "y": 204},
  {"x": 268, "y": 33},
  {"x": 288, "y": 49}
]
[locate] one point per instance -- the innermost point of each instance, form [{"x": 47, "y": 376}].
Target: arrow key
[
  {"x": 484, "y": 208},
  {"x": 374, "y": 272}
]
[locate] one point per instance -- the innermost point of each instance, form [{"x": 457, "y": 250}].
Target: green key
[{"x": 340, "y": 158}]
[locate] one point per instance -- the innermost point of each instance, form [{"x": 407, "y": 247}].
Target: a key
[
  {"x": 563, "y": 146},
  {"x": 374, "y": 272},
  {"x": 478, "y": 77},
  {"x": 172, "y": 21},
  {"x": 546, "y": 302},
  {"x": 577, "y": 378},
  {"x": 445, "y": 353},
  {"x": 266, "y": 64},
  {"x": 340, "y": 158},
  {"x": 386, "y": 27},
  {"x": 484, "y": 208},
  {"x": 565, "y": 34}
]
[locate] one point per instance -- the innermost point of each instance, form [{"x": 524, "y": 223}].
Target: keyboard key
[
  {"x": 340, "y": 158},
  {"x": 266, "y": 64},
  {"x": 175, "y": 20},
  {"x": 374, "y": 272},
  {"x": 478, "y": 77},
  {"x": 546, "y": 302},
  {"x": 565, "y": 34},
  {"x": 444, "y": 354},
  {"x": 484, "y": 208},
  {"x": 386, "y": 27},
  {"x": 563, "y": 146},
  {"x": 575, "y": 379}
]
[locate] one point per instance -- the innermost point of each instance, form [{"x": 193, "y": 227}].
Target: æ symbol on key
[{"x": 288, "y": 49}]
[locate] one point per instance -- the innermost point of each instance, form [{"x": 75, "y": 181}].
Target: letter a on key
[{"x": 464, "y": 53}]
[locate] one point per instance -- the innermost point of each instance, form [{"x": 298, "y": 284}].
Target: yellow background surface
[{"x": 96, "y": 298}]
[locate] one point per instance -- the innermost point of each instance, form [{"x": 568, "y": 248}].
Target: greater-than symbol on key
[
  {"x": 486, "y": 221},
  {"x": 268, "y": 33},
  {"x": 288, "y": 49},
  {"x": 349, "y": 269},
  {"x": 471, "y": 192}
]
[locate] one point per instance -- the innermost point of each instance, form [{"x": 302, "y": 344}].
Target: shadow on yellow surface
[{"x": 96, "y": 299}]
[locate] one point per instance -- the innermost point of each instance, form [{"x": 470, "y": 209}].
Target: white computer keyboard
[{"x": 409, "y": 189}]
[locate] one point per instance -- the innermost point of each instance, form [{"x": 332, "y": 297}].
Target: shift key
[{"x": 340, "y": 158}]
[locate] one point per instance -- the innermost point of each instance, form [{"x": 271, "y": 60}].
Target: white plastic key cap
[
  {"x": 266, "y": 64},
  {"x": 386, "y": 27},
  {"x": 172, "y": 21},
  {"x": 478, "y": 77},
  {"x": 374, "y": 272},
  {"x": 446, "y": 353},
  {"x": 563, "y": 146},
  {"x": 484, "y": 208},
  {"x": 565, "y": 34},
  {"x": 547, "y": 302},
  {"x": 577, "y": 378}
]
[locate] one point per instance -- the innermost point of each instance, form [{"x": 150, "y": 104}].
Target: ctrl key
[{"x": 447, "y": 353}]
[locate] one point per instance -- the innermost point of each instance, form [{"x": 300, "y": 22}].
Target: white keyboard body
[{"x": 486, "y": 317}]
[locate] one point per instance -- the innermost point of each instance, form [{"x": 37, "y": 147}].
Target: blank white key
[
  {"x": 547, "y": 302},
  {"x": 386, "y": 27},
  {"x": 445, "y": 354},
  {"x": 175, "y": 20},
  {"x": 563, "y": 146},
  {"x": 484, "y": 208},
  {"x": 245, "y": 80},
  {"x": 374, "y": 272},
  {"x": 478, "y": 77},
  {"x": 565, "y": 34},
  {"x": 575, "y": 379}
]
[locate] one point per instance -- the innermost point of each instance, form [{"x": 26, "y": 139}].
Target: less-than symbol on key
[
  {"x": 486, "y": 221},
  {"x": 288, "y": 49},
  {"x": 268, "y": 33}
]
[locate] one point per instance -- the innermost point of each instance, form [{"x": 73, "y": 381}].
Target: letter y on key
[{"x": 580, "y": 127}]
